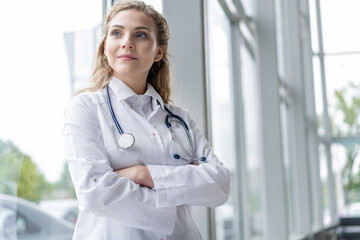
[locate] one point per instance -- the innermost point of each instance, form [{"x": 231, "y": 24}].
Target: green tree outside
[
  {"x": 32, "y": 184},
  {"x": 20, "y": 176},
  {"x": 348, "y": 106}
]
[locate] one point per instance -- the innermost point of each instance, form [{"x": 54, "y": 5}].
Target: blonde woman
[{"x": 137, "y": 163}]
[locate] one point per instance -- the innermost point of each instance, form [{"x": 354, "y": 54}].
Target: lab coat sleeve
[
  {"x": 99, "y": 189},
  {"x": 205, "y": 185}
]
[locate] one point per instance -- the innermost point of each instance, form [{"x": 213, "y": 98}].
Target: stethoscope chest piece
[{"x": 126, "y": 140}]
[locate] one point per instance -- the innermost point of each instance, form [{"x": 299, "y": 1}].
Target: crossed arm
[
  {"x": 139, "y": 174},
  {"x": 107, "y": 192}
]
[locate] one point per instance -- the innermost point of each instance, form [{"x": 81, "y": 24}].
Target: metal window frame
[
  {"x": 311, "y": 118},
  {"x": 243, "y": 226},
  {"x": 328, "y": 139},
  {"x": 299, "y": 165},
  {"x": 238, "y": 15},
  {"x": 263, "y": 52},
  {"x": 237, "y": 39},
  {"x": 326, "y": 119},
  {"x": 235, "y": 82},
  {"x": 264, "y": 55},
  {"x": 106, "y": 4}
]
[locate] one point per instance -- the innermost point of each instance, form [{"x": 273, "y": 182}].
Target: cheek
[
  {"x": 150, "y": 51},
  {"x": 110, "y": 48},
  {"x": 109, "y": 52}
]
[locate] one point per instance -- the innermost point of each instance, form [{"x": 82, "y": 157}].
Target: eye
[
  {"x": 115, "y": 33},
  {"x": 141, "y": 35}
]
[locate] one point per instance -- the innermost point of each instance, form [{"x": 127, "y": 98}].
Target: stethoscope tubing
[
  {"x": 112, "y": 111},
  {"x": 168, "y": 125},
  {"x": 170, "y": 115},
  {"x": 186, "y": 128}
]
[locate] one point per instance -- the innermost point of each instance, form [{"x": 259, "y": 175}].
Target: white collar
[{"x": 123, "y": 91}]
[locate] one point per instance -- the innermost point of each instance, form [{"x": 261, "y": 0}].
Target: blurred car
[
  {"x": 63, "y": 208},
  {"x": 23, "y": 220}
]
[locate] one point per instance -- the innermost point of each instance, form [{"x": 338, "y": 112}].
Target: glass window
[
  {"x": 248, "y": 7},
  {"x": 222, "y": 111},
  {"x": 252, "y": 139},
  {"x": 157, "y": 4},
  {"x": 318, "y": 95},
  {"x": 342, "y": 78},
  {"x": 285, "y": 134},
  {"x": 323, "y": 162},
  {"x": 339, "y": 24},
  {"x": 324, "y": 185},
  {"x": 346, "y": 163},
  {"x": 343, "y": 93},
  {"x": 48, "y": 51},
  {"x": 280, "y": 41},
  {"x": 314, "y": 26},
  {"x": 343, "y": 84},
  {"x": 286, "y": 108}
]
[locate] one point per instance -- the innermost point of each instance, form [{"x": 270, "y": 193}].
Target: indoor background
[{"x": 274, "y": 84}]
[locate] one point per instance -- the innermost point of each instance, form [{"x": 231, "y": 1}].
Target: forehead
[{"x": 132, "y": 18}]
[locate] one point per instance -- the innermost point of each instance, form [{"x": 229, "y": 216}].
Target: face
[{"x": 131, "y": 46}]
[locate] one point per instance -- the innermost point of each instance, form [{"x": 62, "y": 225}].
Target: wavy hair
[{"x": 159, "y": 74}]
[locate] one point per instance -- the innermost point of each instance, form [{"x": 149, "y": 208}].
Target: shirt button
[{"x": 153, "y": 134}]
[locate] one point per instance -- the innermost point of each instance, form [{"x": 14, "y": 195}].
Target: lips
[{"x": 127, "y": 57}]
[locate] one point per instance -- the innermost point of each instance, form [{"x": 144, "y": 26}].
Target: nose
[{"x": 127, "y": 43}]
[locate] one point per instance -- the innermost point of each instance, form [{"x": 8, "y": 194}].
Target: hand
[{"x": 139, "y": 174}]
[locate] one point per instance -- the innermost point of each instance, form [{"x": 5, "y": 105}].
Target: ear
[{"x": 160, "y": 53}]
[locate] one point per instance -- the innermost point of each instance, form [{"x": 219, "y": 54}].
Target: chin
[
  {"x": 128, "y": 72},
  {"x": 125, "y": 71}
]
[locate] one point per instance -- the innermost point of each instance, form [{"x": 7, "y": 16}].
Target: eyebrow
[{"x": 137, "y": 28}]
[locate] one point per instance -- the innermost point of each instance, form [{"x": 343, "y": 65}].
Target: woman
[{"x": 132, "y": 178}]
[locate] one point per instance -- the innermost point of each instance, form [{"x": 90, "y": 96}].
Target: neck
[{"x": 137, "y": 84}]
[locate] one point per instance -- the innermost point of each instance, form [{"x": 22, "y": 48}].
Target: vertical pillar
[
  {"x": 294, "y": 74},
  {"x": 311, "y": 118},
  {"x": 273, "y": 192},
  {"x": 186, "y": 46}
]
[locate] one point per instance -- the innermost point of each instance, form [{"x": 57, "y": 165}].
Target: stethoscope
[{"x": 126, "y": 140}]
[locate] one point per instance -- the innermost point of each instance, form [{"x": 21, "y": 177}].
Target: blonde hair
[{"x": 159, "y": 74}]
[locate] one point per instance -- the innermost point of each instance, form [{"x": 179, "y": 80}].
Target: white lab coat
[{"x": 114, "y": 208}]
